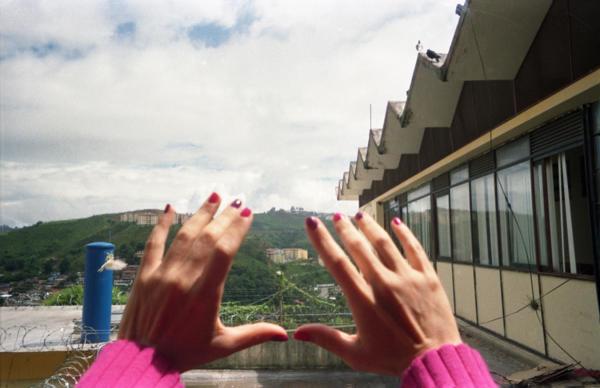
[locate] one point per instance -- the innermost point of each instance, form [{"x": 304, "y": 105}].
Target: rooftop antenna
[{"x": 370, "y": 117}]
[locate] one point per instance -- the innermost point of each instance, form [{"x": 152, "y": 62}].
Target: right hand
[{"x": 398, "y": 304}]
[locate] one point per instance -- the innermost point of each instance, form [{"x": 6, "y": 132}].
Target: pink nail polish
[
  {"x": 337, "y": 217},
  {"x": 236, "y": 204},
  {"x": 246, "y": 212},
  {"x": 301, "y": 336},
  {"x": 279, "y": 338},
  {"x": 397, "y": 221},
  {"x": 167, "y": 208},
  {"x": 311, "y": 222},
  {"x": 359, "y": 216},
  {"x": 214, "y": 198}
]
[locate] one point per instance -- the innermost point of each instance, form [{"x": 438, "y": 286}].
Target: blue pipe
[{"x": 97, "y": 293}]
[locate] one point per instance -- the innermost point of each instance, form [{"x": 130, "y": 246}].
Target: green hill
[{"x": 59, "y": 246}]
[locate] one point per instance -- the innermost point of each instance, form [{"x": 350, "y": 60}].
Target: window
[
  {"x": 419, "y": 221},
  {"x": 443, "y": 225},
  {"x": 459, "y": 175},
  {"x": 485, "y": 234},
  {"x": 516, "y": 215},
  {"x": 419, "y": 192},
  {"x": 513, "y": 152},
  {"x": 563, "y": 225},
  {"x": 461, "y": 222}
]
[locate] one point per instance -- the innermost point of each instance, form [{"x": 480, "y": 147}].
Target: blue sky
[{"x": 111, "y": 106}]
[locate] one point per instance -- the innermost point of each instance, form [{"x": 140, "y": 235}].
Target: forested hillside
[{"x": 45, "y": 248}]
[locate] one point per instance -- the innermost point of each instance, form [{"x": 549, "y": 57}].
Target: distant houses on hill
[
  {"x": 150, "y": 217},
  {"x": 286, "y": 255}
]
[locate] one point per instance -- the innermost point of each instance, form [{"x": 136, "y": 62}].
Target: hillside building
[
  {"x": 493, "y": 161},
  {"x": 150, "y": 217},
  {"x": 286, "y": 255}
]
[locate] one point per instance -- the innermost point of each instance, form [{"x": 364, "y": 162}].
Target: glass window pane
[
  {"x": 540, "y": 211},
  {"x": 443, "y": 225},
  {"x": 516, "y": 215},
  {"x": 485, "y": 234},
  {"x": 461, "y": 222},
  {"x": 512, "y": 152},
  {"x": 419, "y": 221},
  {"x": 459, "y": 175},
  {"x": 419, "y": 192}
]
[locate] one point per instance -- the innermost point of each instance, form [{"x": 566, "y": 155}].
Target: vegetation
[
  {"x": 73, "y": 295},
  {"x": 44, "y": 248}
]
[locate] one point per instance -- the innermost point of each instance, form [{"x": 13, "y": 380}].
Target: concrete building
[
  {"x": 286, "y": 255},
  {"x": 150, "y": 217},
  {"x": 494, "y": 162}
]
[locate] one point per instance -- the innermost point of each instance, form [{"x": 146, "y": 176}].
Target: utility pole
[{"x": 281, "y": 317}]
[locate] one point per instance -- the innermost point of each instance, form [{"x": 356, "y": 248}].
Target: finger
[
  {"x": 225, "y": 249},
  {"x": 413, "y": 250},
  {"x": 360, "y": 249},
  {"x": 336, "y": 261},
  {"x": 234, "y": 339},
  {"x": 155, "y": 245},
  {"x": 342, "y": 344},
  {"x": 192, "y": 228},
  {"x": 386, "y": 249}
]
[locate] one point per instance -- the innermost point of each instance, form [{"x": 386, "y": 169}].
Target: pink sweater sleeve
[
  {"x": 448, "y": 366},
  {"x": 127, "y": 364}
]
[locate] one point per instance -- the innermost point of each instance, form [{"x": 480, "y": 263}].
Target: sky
[{"x": 121, "y": 105}]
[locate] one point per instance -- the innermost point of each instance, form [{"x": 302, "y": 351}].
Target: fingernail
[
  {"x": 279, "y": 338},
  {"x": 246, "y": 212},
  {"x": 167, "y": 208},
  {"x": 236, "y": 204},
  {"x": 214, "y": 198},
  {"x": 337, "y": 217},
  {"x": 397, "y": 221},
  {"x": 359, "y": 216},
  {"x": 311, "y": 222},
  {"x": 301, "y": 336}
]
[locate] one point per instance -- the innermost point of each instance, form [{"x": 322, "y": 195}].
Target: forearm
[
  {"x": 128, "y": 364},
  {"x": 448, "y": 366}
]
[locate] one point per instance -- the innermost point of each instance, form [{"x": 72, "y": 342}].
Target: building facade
[
  {"x": 150, "y": 217},
  {"x": 494, "y": 163},
  {"x": 286, "y": 255}
]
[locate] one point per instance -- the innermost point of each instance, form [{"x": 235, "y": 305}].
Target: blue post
[{"x": 97, "y": 293}]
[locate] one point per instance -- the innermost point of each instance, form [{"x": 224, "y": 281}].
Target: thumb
[
  {"x": 333, "y": 340},
  {"x": 241, "y": 337}
]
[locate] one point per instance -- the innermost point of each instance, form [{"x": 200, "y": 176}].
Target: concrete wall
[
  {"x": 489, "y": 299},
  {"x": 571, "y": 318},
  {"x": 444, "y": 271},
  {"x": 523, "y": 327},
  {"x": 464, "y": 290},
  {"x": 280, "y": 355}
]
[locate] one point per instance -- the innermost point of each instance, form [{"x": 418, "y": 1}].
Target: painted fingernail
[
  {"x": 397, "y": 221},
  {"x": 236, "y": 204},
  {"x": 279, "y": 338},
  {"x": 167, "y": 208},
  {"x": 311, "y": 222},
  {"x": 359, "y": 216},
  {"x": 337, "y": 217},
  {"x": 246, "y": 212},
  {"x": 214, "y": 198},
  {"x": 301, "y": 336}
]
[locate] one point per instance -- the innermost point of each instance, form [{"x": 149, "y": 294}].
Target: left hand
[{"x": 174, "y": 305}]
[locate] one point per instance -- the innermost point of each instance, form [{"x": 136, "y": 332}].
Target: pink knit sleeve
[
  {"x": 128, "y": 364},
  {"x": 448, "y": 366}
]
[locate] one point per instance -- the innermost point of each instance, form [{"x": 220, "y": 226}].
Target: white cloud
[{"x": 276, "y": 112}]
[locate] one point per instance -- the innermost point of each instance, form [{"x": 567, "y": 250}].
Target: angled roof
[{"x": 490, "y": 42}]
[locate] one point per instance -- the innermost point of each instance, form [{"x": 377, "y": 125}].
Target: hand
[
  {"x": 399, "y": 306},
  {"x": 174, "y": 305}
]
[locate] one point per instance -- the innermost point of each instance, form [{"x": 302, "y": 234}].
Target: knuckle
[
  {"x": 223, "y": 250},
  {"x": 210, "y": 236},
  {"x": 185, "y": 236},
  {"x": 381, "y": 241},
  {"x": 355, "y": 244},
  {"x": 151, "y": 244}
]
